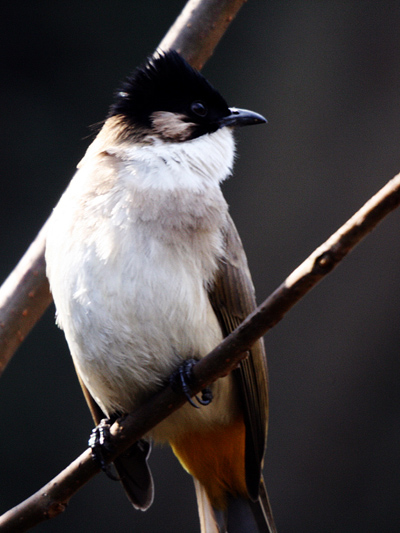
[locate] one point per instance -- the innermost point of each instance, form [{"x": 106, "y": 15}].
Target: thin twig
[
  {"x": 25, "y": 296},
  {"x": 53, "y": 497},
  {"x": 322, "y": 261}
]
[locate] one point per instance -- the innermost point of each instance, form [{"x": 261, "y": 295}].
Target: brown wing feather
[{"x": 232, "y": 297}]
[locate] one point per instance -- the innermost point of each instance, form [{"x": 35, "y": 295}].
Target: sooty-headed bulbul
[{"x": 147, "y": 271}]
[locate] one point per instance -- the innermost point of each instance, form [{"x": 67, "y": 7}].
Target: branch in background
[
  {"x": 53, "y": 497},
  {"x": 25, "y": 296},
  {"x": 200, "y": 22}
]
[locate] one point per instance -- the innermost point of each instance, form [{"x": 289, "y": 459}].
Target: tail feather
[
  {"x": 210, "y": 522},
  {"x": 241, "y": 516},
  {"x": 262, "y": 511},
  {"x": 135, "y": 475}
]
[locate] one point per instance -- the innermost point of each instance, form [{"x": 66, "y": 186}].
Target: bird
[{"x": 148, "y": 274}]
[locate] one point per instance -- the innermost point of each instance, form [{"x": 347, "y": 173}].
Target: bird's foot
[
  {"x": 181, "y": 380},
  {"x": 99, "y": 443}
]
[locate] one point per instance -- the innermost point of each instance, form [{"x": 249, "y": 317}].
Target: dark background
[{"x": 327, "y": 77}]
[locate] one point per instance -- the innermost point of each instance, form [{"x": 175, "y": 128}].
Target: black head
[{"x": 169, "y": 98}]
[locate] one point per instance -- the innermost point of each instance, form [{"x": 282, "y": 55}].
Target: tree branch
[
  {"x": 53, "y": 497},
  {"x": 200, "y": 22},
  {"x": 25, "y": 296}
]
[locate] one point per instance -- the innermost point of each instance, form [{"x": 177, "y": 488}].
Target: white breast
[{"x": 131, "y": 248}]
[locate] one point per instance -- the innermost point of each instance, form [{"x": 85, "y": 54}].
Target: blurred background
[{"x": 327, "y": 77}]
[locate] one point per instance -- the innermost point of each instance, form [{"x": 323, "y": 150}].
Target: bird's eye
[{"x": 199, "y": 109}]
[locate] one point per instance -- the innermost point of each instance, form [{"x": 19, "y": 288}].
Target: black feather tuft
[{"x": 166, "y": 82}]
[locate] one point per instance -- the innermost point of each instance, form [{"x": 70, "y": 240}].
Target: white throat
[
  {"x": 204, "y": 161},
  {"x": 191, "y": 165}
]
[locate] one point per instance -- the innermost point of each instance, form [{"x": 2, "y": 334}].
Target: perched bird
[{"x": 147, "y": 271}]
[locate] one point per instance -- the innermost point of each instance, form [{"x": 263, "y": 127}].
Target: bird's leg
[
  {"x": 181, "y": 380},
  {"x": 99, "y": 442}
]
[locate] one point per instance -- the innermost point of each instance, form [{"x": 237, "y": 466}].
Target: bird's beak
[{"x": 241, "y": 117}]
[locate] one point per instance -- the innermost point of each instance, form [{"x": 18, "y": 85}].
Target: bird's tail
[
  {"x": 208, "y": 518},
  {"x": 135, "y": 476},
  {"x": 241, "y": 516}
]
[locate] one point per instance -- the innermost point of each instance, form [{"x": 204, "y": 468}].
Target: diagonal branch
[
  {"x": 53, "y": 497},
  {"x": 199, "y": 28},
  {"x": 25, "y": 296}
]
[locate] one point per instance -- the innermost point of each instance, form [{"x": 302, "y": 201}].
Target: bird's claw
[
  {"x": 181, "y": 379},
  {"x": 99, "y": 443}
]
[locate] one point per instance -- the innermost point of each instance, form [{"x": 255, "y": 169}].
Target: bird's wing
[{"x": 232, "y": 297}]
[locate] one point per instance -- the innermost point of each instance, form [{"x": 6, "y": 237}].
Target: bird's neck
[
  {"x": 193, "y": 165},
  {"x": 171, "y": 188}
]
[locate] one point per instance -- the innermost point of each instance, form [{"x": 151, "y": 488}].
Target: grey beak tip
[{"x": 242, "y": 117}]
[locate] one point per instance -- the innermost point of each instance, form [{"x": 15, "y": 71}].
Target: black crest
[{"x": 166, "y": 82}]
